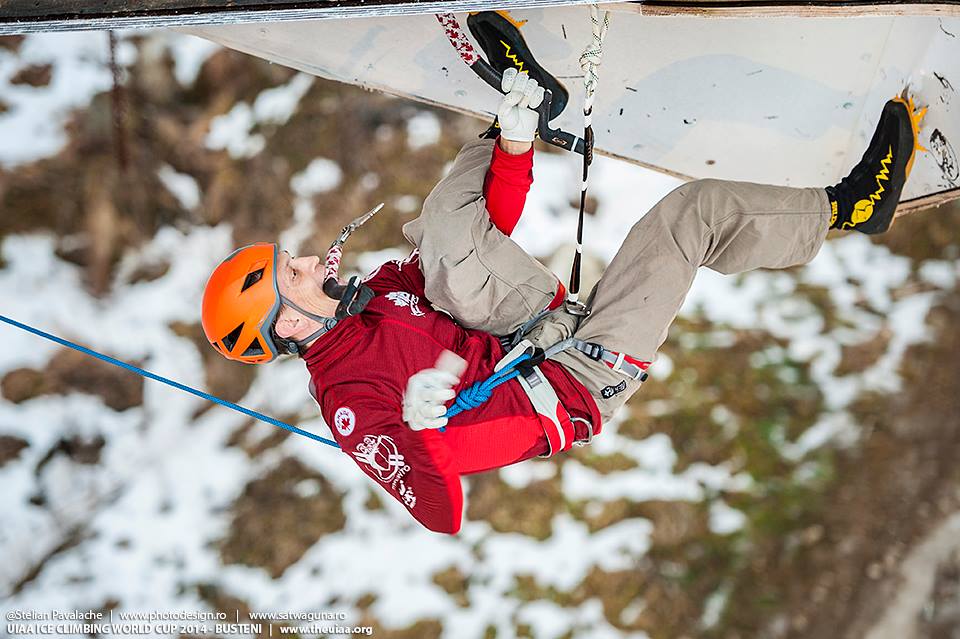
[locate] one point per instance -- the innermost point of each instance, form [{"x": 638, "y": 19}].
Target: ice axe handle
[
  {"x": 487, "y": 73},
  {"x": 556, "y": 137}
]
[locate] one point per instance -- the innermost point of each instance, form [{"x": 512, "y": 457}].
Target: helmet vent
[
  {"x": 252, "y": 278},
  {"x": 255, "y": 349},
  {"x": 231, "y": 339}
]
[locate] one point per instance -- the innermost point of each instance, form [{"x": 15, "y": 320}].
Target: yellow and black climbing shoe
[
  {"x": 866, "y": 199},
  {"x": 500, "y": 39}
]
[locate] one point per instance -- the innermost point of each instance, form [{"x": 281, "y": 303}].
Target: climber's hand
[
  {"x": 428, "y": 391},
  {"x": 518, "y": 120}
]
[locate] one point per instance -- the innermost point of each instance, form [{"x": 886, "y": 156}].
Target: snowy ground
[{"x": 153, "y": 509}]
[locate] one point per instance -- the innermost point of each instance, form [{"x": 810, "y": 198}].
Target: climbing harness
[
  {"x": 560, "y": 434},
  {"x": 589, "y": 62},
  {"x": 619, "y": 362},
  {"x": 169, "y": 382},
  {"x": 522, "y": 362}
]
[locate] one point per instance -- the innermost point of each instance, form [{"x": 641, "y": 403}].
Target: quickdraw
[{"x": 589, "y": 62}]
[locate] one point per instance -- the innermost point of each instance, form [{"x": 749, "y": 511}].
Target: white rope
[{"x": 590, "y": 59}]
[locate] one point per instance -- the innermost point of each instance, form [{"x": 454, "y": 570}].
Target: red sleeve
[
  {"x": 414, "y": 467},
  {"x": 505, "y": 187}
]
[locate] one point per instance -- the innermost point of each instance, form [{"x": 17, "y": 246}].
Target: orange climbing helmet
[{"x": 241, "y": 302}]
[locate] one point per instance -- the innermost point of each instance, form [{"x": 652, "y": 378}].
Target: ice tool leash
[{"x": 169, "y": 382}]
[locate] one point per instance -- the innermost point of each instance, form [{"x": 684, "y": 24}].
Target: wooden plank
[
  {"x": 927, "y": 201},
  {"x": 765, "y": 9},
  {"x": 25, "y": 16},
  {"x": 29, "y": 16}
]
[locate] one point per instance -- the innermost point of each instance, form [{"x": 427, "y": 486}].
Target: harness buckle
[
  {"x": 592, "y": 350},
  {"x": 576, "y": 308},
  {"x": 536, "y": 358}
]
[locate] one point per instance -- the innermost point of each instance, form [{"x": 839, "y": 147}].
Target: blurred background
[{"x": 790, "y": 470}]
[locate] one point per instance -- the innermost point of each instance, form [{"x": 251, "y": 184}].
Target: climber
[{"x": 387, "y": 358}]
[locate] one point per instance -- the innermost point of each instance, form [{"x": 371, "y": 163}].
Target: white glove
[
  {"x": 428, "y": 391},
  {"x": 517, "y": 121}
]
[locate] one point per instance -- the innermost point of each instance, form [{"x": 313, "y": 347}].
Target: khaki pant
[{"x": 486, "y": 281}]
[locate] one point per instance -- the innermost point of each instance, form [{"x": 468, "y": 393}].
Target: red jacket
[{"x": 359, "y": 371}]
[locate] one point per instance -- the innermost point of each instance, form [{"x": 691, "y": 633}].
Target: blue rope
[
  {"x": 170, "y": 382},
  {"x": 479, "y": 392}
]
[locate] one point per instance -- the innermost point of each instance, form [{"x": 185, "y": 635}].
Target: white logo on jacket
[
  {"x": 403, "y": 298},
  {"x": 344, "y": 420},
  {"x": 380, "y": 453}
]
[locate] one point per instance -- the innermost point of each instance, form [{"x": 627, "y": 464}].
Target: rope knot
[
  {"x": 590, "y": 58},
  {"x": 473, "y": 396}
]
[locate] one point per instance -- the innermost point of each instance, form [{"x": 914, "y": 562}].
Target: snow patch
[
  {"x": 407, "y": 203},
  {"x": 232, "y": 131},
  {"x": 321, "y": 175},
  {"x": 189, "y": 53},
  {"x": 182, "y": 186},
  {"x": 939, "y": 273},
  {"x": 277, "y": 105},
  {"x": 725, "y": 520},
  {"x": 423, "y": 130},
  {"x": 33, "y": 126},
  {"x": 524, "y": 474}
]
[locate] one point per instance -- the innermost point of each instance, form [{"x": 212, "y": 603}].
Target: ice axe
[
  {"x": 492, "y": 29},
  {"x": 353, "y": 295}
]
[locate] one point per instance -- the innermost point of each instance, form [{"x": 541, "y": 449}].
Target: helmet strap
[{"x": 295, "y": 347}]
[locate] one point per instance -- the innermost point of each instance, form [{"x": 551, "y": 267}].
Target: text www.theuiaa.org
[{"x": 322, "y": 629}]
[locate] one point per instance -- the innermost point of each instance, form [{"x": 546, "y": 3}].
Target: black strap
[{"x": 354, "y": 297}]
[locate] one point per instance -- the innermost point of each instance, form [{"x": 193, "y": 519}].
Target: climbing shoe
[
  {"x": 500, "y": 39},
  {"x": 866, "y": 199}
]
